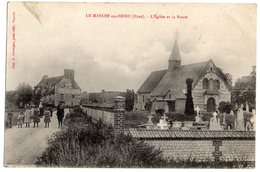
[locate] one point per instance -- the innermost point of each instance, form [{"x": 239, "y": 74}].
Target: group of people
[{"x": 34, "y": 114}]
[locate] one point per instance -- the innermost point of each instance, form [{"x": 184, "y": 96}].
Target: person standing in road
[
  {"x": 20, "y": 120},
  {"x": 36, "y": 117},
  {"x": 60, "y": 113},
  {"x": 41, "y": 108},
  {"x": 10, "y": 119},
  {"x": 47, "y": 118},
  {"x": 27, "y": 117}
]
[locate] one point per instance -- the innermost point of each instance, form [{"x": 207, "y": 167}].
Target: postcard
[{"x": 123, "y": 85}]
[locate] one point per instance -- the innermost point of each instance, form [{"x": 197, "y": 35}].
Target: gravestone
[
  {"x": 247, "y": 107},
  {"x": 198, "y": 118},
  {"x": 150, "y": 117},
  {"x": 252, "y": 120},
  {"x": 240, "y": 120},
  {"x": 232, "y": 112},
  {"x": 214, "y": 123},
  {"x": 176, "y": 124},
  {"x": 197, "y": 109},
  {"x": 163, "y": 124}
]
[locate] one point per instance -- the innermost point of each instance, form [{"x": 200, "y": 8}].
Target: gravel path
[{"x": 24, "y": 145}]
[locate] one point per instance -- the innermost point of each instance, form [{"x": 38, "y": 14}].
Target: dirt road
[{"x": 24, "y": 145}]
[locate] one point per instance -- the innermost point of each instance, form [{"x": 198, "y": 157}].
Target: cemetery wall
[
  {"x": 106, "y": 116},
  {"x": 201, "y": 150}
]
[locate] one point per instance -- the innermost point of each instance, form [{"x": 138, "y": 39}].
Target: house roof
[
  {"x": 152, "y": 81},
  {"x": 50, "y": 80},
  {"x": 176, "y": 80},
  {"x": 190, "y": 134}
]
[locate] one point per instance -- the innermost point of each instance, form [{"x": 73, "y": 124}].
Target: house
[
  {"x": 59, "y": 89},
  {"x": 166, "y": 89}
]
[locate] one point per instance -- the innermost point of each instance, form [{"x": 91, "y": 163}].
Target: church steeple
[{"x": 175, "y": 58}]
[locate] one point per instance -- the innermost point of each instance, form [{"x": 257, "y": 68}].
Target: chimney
[
  {"x": 69, "y": 73},
  {"x": 119, "y": 114}
]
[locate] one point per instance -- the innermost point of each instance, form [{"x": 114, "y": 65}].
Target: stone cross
[
  {"x": 197, "y": 109},
  {"x": 163, "y": 124}
]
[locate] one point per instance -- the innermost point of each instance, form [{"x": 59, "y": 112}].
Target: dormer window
[{"x": 170, "y": 96}]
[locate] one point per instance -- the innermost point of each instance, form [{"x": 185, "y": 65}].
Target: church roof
[
  {"x": 175, "y": 54},
  {"x": 159, "y": 83},
  {"x": 152, "y": 81},
  {"x": 176, "y": 80}
]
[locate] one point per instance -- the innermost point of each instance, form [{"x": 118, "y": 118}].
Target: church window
[
  {"x": 211, "y": 84},
  {"x": 170, "y": 96},
  {"x": 205, "y": 83},
  {"x": 143, "y": 98},
  {"x": 217, "y": 84}
]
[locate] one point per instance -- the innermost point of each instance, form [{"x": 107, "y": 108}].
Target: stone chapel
[{"x": 166, "y": 89}]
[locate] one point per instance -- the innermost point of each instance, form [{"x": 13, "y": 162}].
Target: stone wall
[
  {"x": 142, "y": 99},
  {"x": 241, "y": 150},
  {"x": 201, "y": 150},
  {"x": 106, "y": 117}
]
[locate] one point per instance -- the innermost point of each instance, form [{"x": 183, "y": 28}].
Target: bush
[
  {"x": 86, "y": 144},
  {"x": 133, "y": 119}
]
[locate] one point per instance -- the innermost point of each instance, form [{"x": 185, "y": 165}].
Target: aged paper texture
[{"x": 145, "y": 85}]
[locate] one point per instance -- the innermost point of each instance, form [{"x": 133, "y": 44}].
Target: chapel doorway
[{"x": 211, "y": 105}]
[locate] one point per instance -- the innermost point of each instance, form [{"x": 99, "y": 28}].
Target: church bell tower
[{"x": 175, "y": 58}]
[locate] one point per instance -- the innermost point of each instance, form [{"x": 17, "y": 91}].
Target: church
[{"x": 166, "y": 89}]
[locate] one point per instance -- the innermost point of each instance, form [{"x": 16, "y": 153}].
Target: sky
[{"x": 120, "y": 53}]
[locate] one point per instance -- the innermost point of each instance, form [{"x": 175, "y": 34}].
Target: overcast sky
[{"x": 120, "y": 53}]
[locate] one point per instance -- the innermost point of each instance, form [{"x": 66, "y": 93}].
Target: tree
[
  {"x": 244, "y": 90},
  {"x": 24, "y": 94},
  {"x": 189, "y": 106},
  {"x": 130, "y": 100},
  {"x": 227, "y": 77},
  {"x": 225, "y": 107},
  {"x": 10, "y": 99}
]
